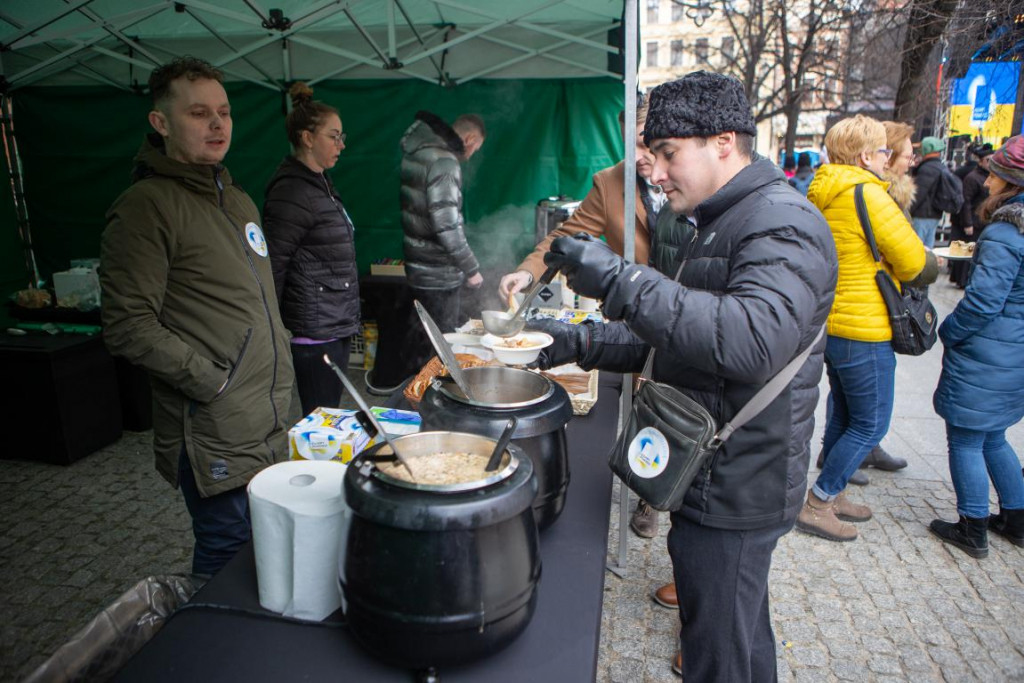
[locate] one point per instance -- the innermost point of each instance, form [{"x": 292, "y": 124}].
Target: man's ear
[
  {"x": 158, "y": 120},
  {"x": 726, "y": 143}
]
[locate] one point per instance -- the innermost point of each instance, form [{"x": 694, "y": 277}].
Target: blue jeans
[
  {"x": 861, "y": 379},
  {"x": 976, "y": 456},
  {"x": 925, "y": 229},
  {"x": 220, "y": 523}
]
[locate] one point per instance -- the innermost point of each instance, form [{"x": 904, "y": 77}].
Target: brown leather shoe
[
  {"x": 644, "y": 522},
  {"x": 677, "y": 664},
  {"x": 666, "y": 596},
  {"x": 849, "y": 511},
  {"x": 818, "y": 518}
]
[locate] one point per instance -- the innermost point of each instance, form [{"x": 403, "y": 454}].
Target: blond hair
[{"x": 847, "y": 139}]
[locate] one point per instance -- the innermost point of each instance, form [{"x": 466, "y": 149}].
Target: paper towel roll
[{"x": 299, "y": 528}]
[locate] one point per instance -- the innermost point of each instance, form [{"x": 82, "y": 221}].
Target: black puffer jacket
[
  {"x": 934, "y": 181},
  {"x": 757, "y": 286},
  {"x": 312, "y": 253},
  {"x": 437, "y": 255}
]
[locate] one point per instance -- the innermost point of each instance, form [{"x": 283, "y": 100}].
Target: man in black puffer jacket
[
  {"x": 438, "y": 260},
  {"x": 757, "y": 283}
]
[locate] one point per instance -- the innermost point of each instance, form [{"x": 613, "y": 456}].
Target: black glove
[
  {"x": 590, "y": 266},
  {"x": 571, "y": 342}
]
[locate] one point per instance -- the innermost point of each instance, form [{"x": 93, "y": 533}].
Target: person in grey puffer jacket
[
  {"x": 438, "y": 260},
  {"x": 757, "y": 283}
]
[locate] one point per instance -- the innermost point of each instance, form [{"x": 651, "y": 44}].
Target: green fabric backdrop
[{"x": 545, "y": 137}]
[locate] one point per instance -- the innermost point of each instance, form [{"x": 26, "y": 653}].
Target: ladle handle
[
  {"x": 544, "y": 280},
  {"x": 499, "y": 448}
]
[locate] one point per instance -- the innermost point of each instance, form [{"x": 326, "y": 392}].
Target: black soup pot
[
  {"x": 542, "y": 407},
  {"x": 440, "y": 575}
]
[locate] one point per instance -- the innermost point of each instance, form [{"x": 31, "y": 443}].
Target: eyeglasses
[
  {"x": 886, "y": 152},
  {"x": 337, "y": 138}
]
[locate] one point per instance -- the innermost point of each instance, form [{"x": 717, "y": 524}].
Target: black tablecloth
[{"x": 560, "y": 644}]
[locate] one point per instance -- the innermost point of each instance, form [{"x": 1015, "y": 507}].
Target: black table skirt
[{"x": 206, "y": 642}]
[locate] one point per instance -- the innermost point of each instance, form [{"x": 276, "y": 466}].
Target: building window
[
  {"x": 652, "y": 54},
  {"x": 728, "y": 49},
  {"x": 652, "y": 11},
  {"x": 701, "y": 50},
  {"x": 676, "y": 54},
  {"x": 677, "y": 12}
]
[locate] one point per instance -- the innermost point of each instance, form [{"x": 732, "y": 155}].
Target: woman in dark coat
[
  {"x": 966, "y": 225},
  {"x": 312, "y": 250},
  {"x": 981, "y": 390}
]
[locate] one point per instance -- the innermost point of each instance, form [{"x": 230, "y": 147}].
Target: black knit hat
[{"x": 700, "y": 104}]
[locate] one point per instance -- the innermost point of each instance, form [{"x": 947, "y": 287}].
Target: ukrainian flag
[{"x": 982, "y": 101}]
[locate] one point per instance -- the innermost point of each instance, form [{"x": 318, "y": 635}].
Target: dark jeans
[
  {"x": 318, "y": 385},
  {"x": 974, "y": 458},
  {"x": 722, "y": 583},
  {"x": 220, "y": 523},
  {"x": 862, "y": 383},
  {"x": 443, "y": 305}
]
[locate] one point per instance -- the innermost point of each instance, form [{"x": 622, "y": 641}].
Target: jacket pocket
[{"x": 234, "y": 366}]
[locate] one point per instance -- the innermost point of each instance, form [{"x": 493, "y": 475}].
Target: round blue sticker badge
[
  {"x": 648, "y": 453},
  {"x": 256, "y": 240}
]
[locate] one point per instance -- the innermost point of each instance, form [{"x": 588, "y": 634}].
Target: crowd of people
[{"x": 738, "y": 270}]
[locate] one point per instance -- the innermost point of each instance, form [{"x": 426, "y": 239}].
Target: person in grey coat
[
  {"x": 438, "y": 259},
  {"x": 757, "y": 282}
]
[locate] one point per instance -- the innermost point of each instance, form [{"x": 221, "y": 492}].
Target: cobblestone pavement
[{"x": 894, "y": 605}]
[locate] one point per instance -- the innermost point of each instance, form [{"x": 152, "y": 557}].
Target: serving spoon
[{"x": 504, "y": 324}]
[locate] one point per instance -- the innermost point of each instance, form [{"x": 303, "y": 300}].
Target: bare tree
[{"x": 926, "y": 23}]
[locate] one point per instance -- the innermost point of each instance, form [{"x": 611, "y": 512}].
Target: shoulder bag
[
  {"x": 668, "y": 437},
  {"x": 912, "y": 316}
]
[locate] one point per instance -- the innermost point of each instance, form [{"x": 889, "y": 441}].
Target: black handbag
[
  {"x": 912, "y": 316},
  {"x": 668, "y": 437}
]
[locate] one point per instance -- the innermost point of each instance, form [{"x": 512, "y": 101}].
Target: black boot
[
  {"x": 970, "y": 534},
  {"x": 881, "y": 460},
  {"x": 1009, "y": 524}
]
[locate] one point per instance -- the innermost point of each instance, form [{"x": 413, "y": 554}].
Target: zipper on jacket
[
  {"x": 238, "y": 361},
  {"x": 341, "y": 210},
  {"x": 263, "y": 295}
]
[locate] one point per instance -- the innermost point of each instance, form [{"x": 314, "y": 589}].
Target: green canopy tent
[{"x": 538, "y": 71}]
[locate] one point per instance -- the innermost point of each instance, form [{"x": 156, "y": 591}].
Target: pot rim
[
  {"x": 510, "y": 461},
  {"x": 444, "y": 386}
]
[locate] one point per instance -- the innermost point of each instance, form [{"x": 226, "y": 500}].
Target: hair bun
[{"x": 300, "y": 93}]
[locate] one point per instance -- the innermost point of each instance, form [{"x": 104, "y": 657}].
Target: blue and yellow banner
[{"x": 982, "y": 102}]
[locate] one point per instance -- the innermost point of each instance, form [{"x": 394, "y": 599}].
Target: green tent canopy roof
[{"x": 117, "y": 42}]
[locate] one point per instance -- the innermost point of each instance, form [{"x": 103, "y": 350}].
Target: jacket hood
[
  {"x": 1011, "y": 212},
  {"x": 430, "y": 130},
  {"x": 152, "y": 160},
  {"x": 831, "y": 180},
  {"x": 902, "y": 189},
  {"x": 759, "y": 173}
]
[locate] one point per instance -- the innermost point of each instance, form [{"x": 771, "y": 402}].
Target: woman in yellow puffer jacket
[{"x": 859, "y": 359}]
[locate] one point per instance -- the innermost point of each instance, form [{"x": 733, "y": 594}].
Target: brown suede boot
[
  {"x": 849, "y": 511},
  {"x": 818, "y": 518}
]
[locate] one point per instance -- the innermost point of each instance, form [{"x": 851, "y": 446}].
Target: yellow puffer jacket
[{"x": 859, "y": 312}]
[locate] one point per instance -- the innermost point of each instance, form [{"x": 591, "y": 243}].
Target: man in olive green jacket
[{"x": 188, "y": 295}]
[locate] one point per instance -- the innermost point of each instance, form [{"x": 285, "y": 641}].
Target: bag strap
[
  {"x": 865, "y": 222},
  {"x": 765, "y": 394},
  {"x": 768, "y": 392}
]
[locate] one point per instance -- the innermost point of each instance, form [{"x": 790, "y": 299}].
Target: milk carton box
[{"x": 328, "y": 434}]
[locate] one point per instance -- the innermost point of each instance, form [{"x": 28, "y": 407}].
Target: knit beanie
[
  {"x": 1008, "y": 161},
  {"x": 700, "y": 104}
]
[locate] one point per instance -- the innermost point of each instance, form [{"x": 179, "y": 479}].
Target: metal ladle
[
  {"x": 368, "y": 413},
  {"x": 503, "y": 324}
]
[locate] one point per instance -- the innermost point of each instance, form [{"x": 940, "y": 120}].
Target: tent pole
[
  {"x": 43, "y": 24},
  {"x": 629, "y": 251},
  {"x": 392, "y": 51},
  {"x": 17, "y": 187}
]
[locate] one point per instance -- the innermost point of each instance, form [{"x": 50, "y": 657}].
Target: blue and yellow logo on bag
[{"x": 648, "y": 453}]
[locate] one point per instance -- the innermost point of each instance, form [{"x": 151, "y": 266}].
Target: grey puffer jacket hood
[{"x": 437, "y": 255}]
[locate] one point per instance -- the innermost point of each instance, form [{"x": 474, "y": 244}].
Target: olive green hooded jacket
[{"x": 188, "y": 295}]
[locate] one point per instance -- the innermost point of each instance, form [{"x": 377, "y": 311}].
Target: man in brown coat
[{"x": 601, "y": 214}]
